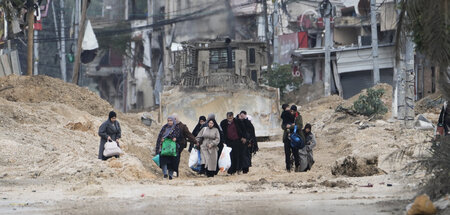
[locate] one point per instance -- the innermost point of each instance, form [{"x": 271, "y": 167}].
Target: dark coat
[
  {"x": 176, "y": 133},
  {"x": 239, "y": 126},
  {"x": 171, "y": 162},
  {"x": 287, "y": 118},
  {"x": 249, "y": 130},
  {"x": 251, "y": 145},
  {"x": 186, "y": 135},
  {"x": 197, "y": 129},
  {"x": 108, "y": 129},
  {"x": 299, "y": 123}
]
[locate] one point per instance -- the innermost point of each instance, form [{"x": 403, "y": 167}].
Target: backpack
[{"x": 296, "y": 140}]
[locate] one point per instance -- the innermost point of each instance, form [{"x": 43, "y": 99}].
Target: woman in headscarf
[
  {"x": 306, "y": 154},
  {"x": 198, "y": 127},
  {"x": 170, "y": 131},
  {"x": 109, "y": 131},
  {"x": 209, "y": 139},
  {"x": 212, "y": 117}
]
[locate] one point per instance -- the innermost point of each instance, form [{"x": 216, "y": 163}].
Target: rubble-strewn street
[
  {"x": 309, "y": 107},
  {"x": 54, "y": 169}
]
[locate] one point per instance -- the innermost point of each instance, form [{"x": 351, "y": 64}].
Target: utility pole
[
  {"x": 266, "y": 27},
  {"x": 76, "y": 26},
  {"x": 409, "y": 83},
  {"x": 327, "y": 77},
  {"x": 325, "y": 9},
  {"x": 58, "y": 42},
  {"x": 76, "y": 66},
  {"x": 400, "y": 87},
  {"x": 30, "y": 20},
  {"x": 373, "y": 22},
  {"x": 62, "y": 50},
  {"x": 275, "y": 34},
  {"x": 36, "y": 54},
  {"x": 77, "y": 18},
  {"x": 62, "y": 59}
]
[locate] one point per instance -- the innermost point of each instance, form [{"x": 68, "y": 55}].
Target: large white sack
[
  {"x": 193, "y": 158},
  {"x": 225, "y": 159},
  {"x": 111, "y": 149}
]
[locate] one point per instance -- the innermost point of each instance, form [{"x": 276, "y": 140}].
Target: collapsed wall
[{"x": 262, "y": 104}]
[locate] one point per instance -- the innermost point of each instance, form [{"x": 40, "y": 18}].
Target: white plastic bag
[
  {"x": 111, "y": 149},
  {"x": 193, "y": 158},
  {"x": 225, "y": 159}
]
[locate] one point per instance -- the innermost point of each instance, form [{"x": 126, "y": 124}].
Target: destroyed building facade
[{"x": 219, "y": 63}]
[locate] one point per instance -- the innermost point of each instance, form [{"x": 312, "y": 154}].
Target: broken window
[
  {"x": 251, "y": 56},
  {"x": 218, "y": 59}
]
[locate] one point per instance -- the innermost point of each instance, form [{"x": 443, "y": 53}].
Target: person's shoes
[
  {"x": 245, "y": 171},
  {"x": 165, "y": 176},
  {"x": 297, "y": 169},
  {"x": 170, "y": 177},
  {"x": 288, "y": 170}
]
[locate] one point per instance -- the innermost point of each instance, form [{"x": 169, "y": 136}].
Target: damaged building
[
  {"x": 219, "y": 63},
  {"x": 124, "y": 76},
  {"x": 194, "y": 50},
  {"x": 213, "y": 64},
  {"x": 218, "y": 77},
  {"x": 350, "y": 51}
]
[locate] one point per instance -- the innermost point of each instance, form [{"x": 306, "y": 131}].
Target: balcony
[{"x": 217, "y": 80}]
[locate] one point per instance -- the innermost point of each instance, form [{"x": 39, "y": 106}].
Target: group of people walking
[
  {"x": 209, "y": 137},
  {"x": 302, "y": 156}
]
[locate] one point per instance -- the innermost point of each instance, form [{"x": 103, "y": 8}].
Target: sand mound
[
  {"x": 37, "y": 89},
  {"x": 386, "y": 98},
  {"x": 49, "y": 130}
]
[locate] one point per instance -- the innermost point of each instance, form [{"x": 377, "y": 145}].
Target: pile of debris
[
  {"x": 49, "y": 130},
  {"x": 356, "y": 166},
  {"x": 430, "y": 104},
  {"x": 41, "y": 89},
  {"x": 360, "y": 145}
]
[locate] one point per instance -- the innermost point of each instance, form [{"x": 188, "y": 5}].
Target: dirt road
[{"x": 267, "y": 189}]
